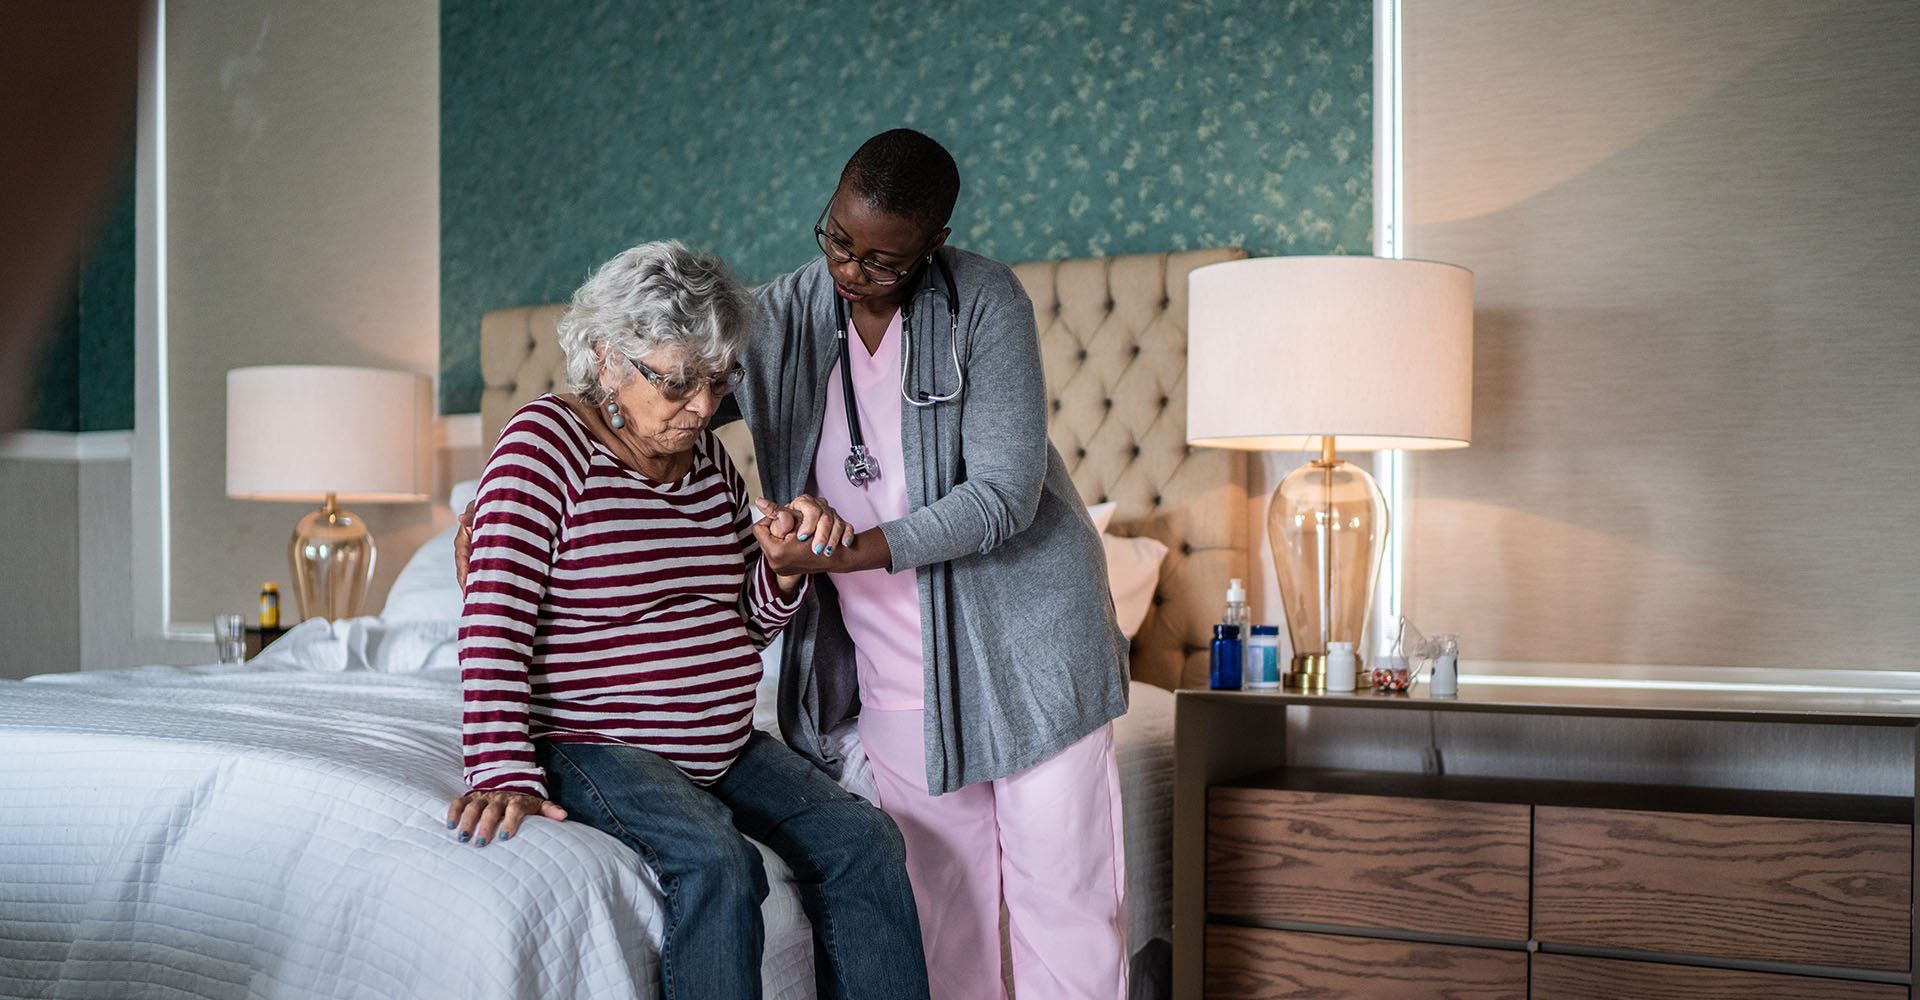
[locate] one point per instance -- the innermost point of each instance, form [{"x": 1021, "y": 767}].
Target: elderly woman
[{"x": 618, "y": 595}]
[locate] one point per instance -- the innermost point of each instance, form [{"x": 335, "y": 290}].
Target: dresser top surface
[{"x": 1532, "y": 696}]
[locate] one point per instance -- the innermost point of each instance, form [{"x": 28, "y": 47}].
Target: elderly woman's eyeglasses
[
  {"x": 840, "y": 251},
  {"x": 678, "y": 390}
]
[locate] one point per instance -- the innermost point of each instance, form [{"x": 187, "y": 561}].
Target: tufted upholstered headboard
[{"x": 1113, "y": 337}]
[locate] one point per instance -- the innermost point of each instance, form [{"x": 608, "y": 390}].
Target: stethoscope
[{"x": 862, "y": 467}]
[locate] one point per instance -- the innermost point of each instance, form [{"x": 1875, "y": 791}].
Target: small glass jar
[
  {"x": 1444, "y": 680},
  {"x": 1223, "y": 667},
  {"x": 1342, "y": 665},
  {"x": 269, "y": 605},
  {"x": 1263, "y": 659}
]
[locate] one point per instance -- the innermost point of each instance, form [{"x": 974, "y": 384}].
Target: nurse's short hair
[{"x": 905, "y": 173}]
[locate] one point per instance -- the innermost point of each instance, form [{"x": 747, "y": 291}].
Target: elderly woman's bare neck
[{"x": 656, "y": 449}]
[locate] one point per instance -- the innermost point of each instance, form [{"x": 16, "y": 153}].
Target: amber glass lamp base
[
  {"x": 331, "y": 556},
  {"x": 1327, "y": 524}
]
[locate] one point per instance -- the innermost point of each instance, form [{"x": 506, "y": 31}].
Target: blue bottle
[{"x": 1223, "y": 671}]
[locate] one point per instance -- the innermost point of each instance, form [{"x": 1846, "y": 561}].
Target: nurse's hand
[
  {"x": 812, "y": 521},
  {"x": 463, "y": 544}
]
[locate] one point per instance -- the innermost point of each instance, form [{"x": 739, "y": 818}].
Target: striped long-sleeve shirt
[{"x": 602, "y": 606}]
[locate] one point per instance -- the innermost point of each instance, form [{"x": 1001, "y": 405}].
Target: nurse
[{"x": 964, "y": 617}]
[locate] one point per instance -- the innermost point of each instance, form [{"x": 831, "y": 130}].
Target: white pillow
[
  {"x": 360, "y": 644},
  {"x": 1102, "y": 514},
  {"x": 1133, "y": 571},
  {"x": 462, "y": 494},
  {"x": 426, "y": 589}
]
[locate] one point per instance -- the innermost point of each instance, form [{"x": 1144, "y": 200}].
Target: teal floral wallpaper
[
  {"x": 571, "y": 130},
  {"x": 86, "y": 374}
]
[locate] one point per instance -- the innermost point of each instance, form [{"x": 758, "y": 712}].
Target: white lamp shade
[
  {"x": 300, "y": 432},
  {"x": 1373, "y": 351}
]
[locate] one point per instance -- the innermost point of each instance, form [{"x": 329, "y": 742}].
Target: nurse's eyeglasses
[
  {"x": 678, "y": 390},
  {"x": 840, "y": 251}
]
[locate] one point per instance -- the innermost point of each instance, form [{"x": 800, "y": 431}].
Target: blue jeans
[{"x": 847, "y": 859}]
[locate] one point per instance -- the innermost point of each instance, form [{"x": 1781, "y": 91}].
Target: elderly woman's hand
[
  {"x": 800, "y": 538},
  {"x": 788, "y": 556},
  {"x": 808, "y": 519},
  {"x": 478, "y": 815}
]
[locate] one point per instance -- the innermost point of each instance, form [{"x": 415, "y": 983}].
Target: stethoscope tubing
[
  {"x": 860, "y": 465},
  {"x": 926, "y": 399}
]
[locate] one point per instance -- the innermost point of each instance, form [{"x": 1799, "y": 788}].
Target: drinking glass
[{"x": 230, "y": 637}]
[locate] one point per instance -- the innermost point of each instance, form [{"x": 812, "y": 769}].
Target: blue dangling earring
[{"x": 614, "y": 419}]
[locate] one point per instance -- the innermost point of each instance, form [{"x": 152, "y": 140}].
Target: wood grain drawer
[
  {"x": 1819, "y": 892},
  {"x": 1252, "y": 962},
  {"x": 1443, "y": 867},
  {"x": 1566, "y": 977}
]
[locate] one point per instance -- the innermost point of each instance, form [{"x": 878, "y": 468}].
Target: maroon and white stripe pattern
[{"x": 604, "y": 607}]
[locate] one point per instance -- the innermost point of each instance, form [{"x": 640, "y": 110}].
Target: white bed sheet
[
  {"x": 185, "y": 833},
  {"x": 279, "y": 832}
]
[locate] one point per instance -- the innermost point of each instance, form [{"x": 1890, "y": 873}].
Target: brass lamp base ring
[{"x": 1309, "y": 675}]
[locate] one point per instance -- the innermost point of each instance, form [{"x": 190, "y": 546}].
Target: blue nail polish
[
  {"x": 803, "y": 537},
  {"x": 452, "y": 823},
  {"x": 817, "y": 550},
  {"x": 849, "y": 543},
  {"x": 506, "y": 835},
  {"x": 828, "y": 552},
  {"x": 465, "y": 836},
  {"x": 482, "y": 842}
]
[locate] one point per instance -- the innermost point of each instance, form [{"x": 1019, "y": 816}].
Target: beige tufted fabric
[{"x": 1113, "y": 337}]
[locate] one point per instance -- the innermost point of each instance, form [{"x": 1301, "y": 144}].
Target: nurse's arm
[{"x": 1003, "y": 444}]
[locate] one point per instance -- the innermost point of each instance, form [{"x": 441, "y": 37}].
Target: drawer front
[
  {"x": 1251, "y": 962},
  {"x": 1456, "y": 868},
  {"x": 1566, "y": 977},
  {"x": 1782, "y": 890}
]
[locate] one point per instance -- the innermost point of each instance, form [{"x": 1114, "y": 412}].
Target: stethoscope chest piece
[{"x": 861, "y": 466}]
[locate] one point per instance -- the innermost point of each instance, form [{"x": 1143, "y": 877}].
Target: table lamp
[
  {"x": 329, "y": 434},
  {"x": 1294, "y": 353}
]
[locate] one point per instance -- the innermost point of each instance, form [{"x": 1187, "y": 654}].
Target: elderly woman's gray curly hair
[{"x": 655, "y": 295}]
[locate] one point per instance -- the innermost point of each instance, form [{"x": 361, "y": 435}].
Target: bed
[{"x": 277, "y": 830}]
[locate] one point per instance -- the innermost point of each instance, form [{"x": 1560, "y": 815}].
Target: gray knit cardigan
[{"x": 1023, "y": 656}]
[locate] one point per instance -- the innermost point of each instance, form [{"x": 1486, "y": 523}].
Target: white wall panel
[
  {"x": 1697, "y": 364},
  {"x": 302, "y": 169}
]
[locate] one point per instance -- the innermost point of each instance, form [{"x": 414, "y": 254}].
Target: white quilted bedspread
[{"x": 180, "y": 832}]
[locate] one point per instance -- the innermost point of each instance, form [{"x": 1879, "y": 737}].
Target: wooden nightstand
[
  {"x": 259, "y": 638},
  {"x": 1294, "y": 881}
]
